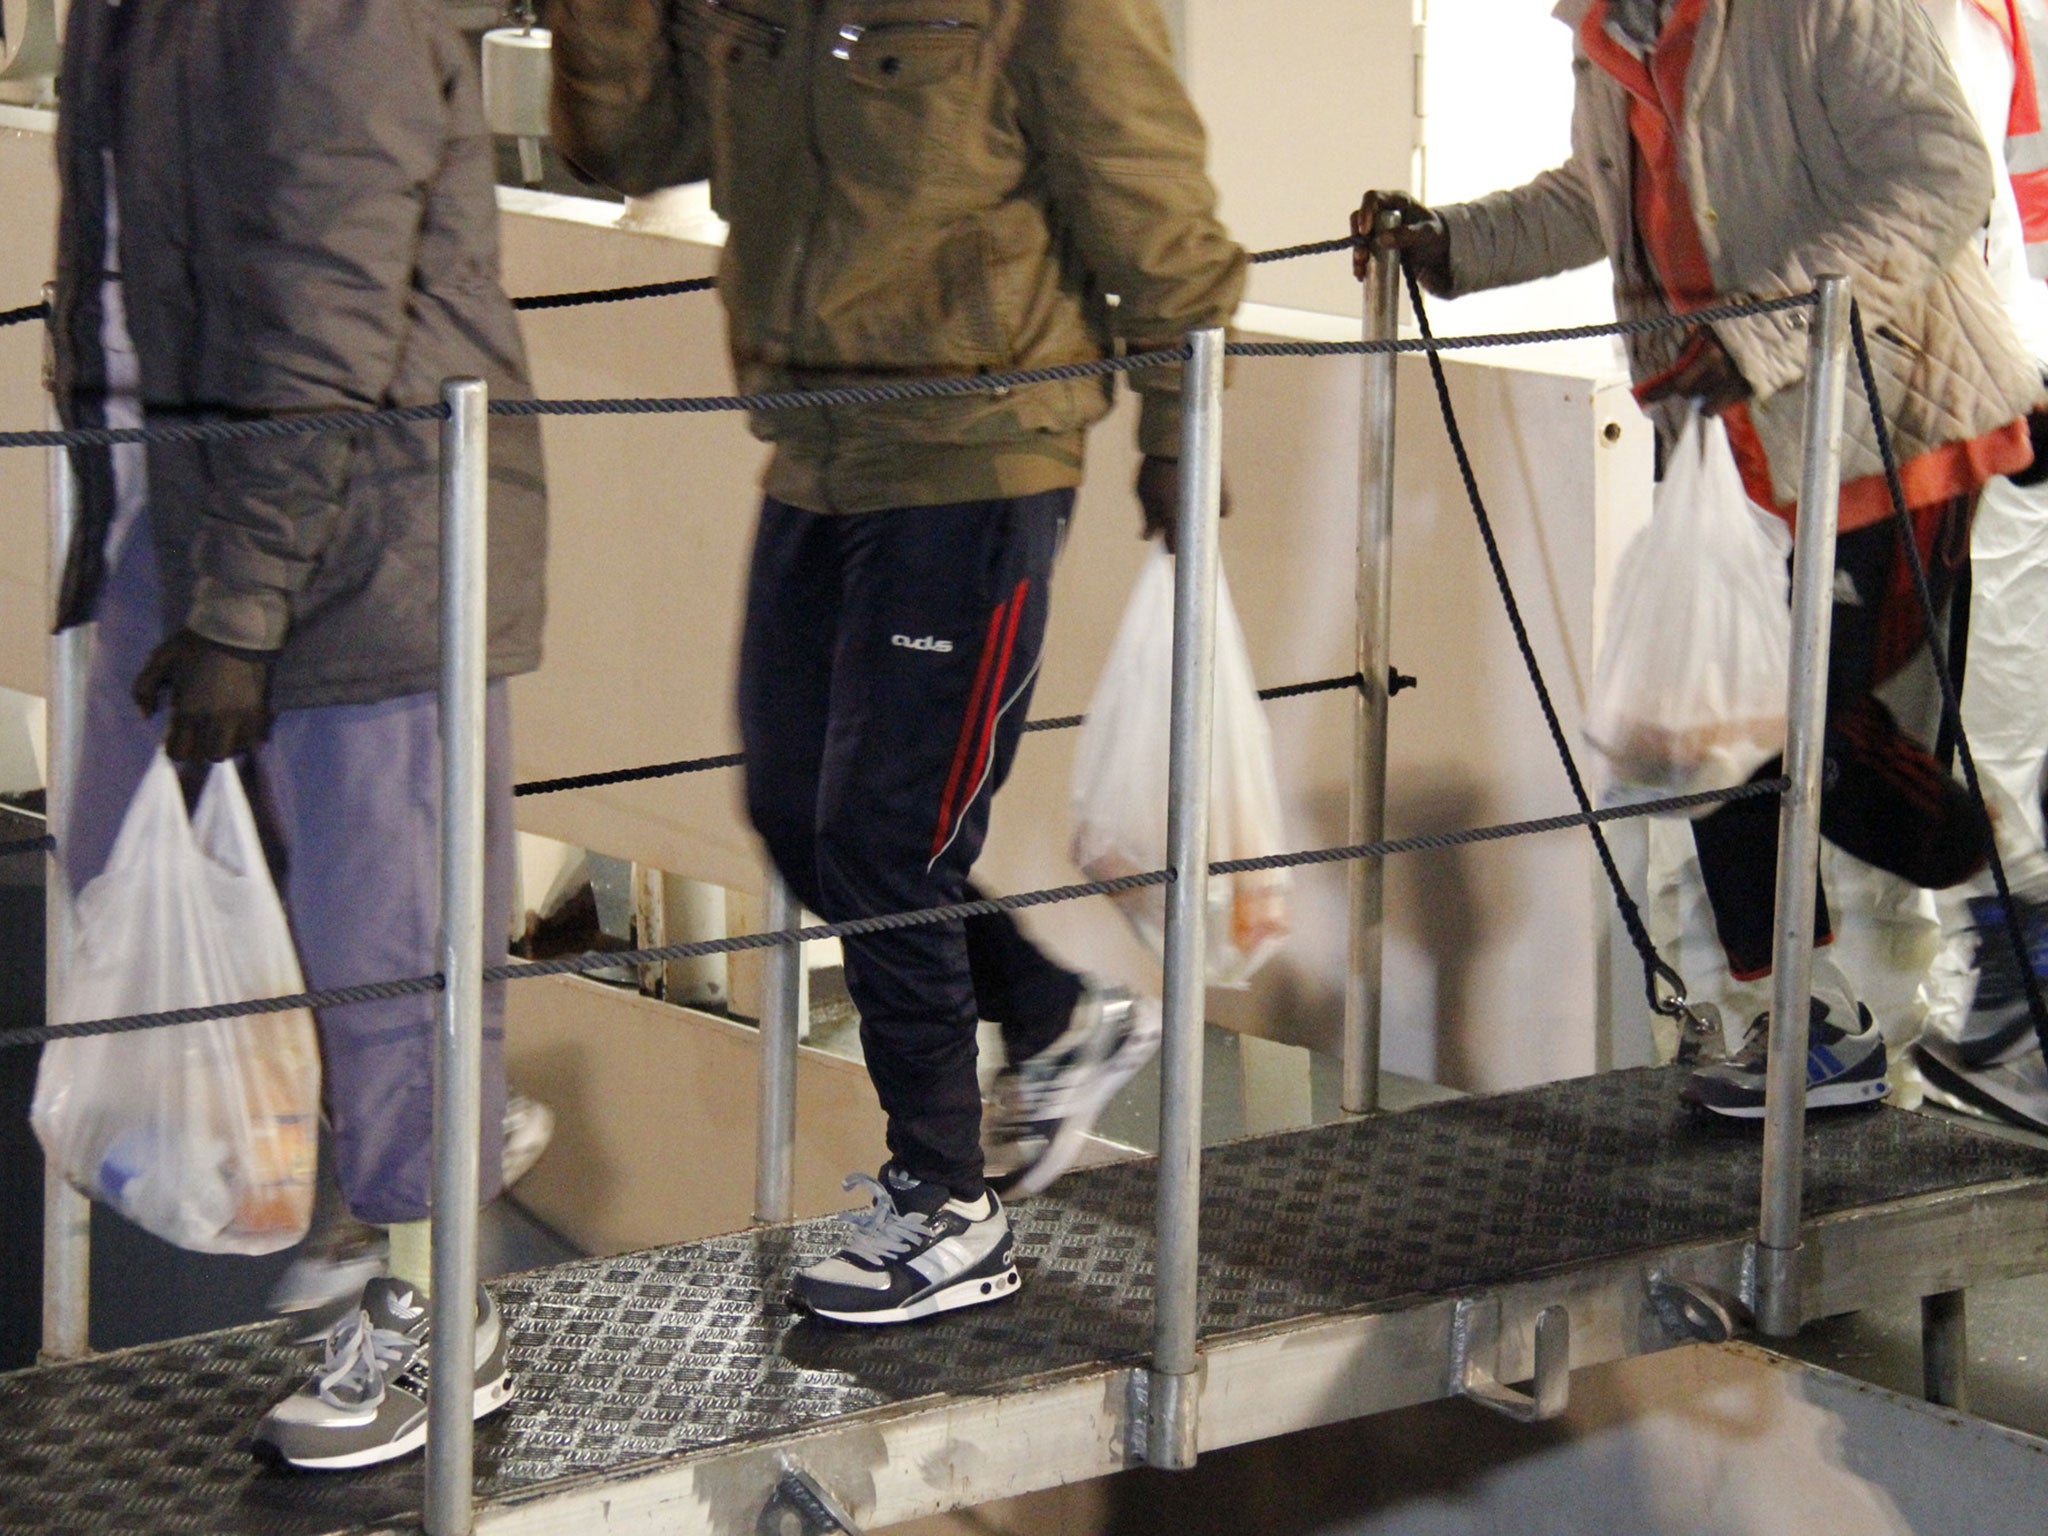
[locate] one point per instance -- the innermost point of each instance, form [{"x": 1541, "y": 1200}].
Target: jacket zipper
[{"x": 854, "y": 31}]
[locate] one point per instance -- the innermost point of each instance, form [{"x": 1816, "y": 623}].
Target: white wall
[
  {"x": 1496, "y": 110},
  {"x": 1308, "y": 102}
]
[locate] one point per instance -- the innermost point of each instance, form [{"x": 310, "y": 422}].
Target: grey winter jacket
[
  {"x": 1820, "y": 136},
  {"x": 308, "y": 223}
]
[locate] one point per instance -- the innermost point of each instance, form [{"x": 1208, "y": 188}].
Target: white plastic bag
[
  {"x": 1689, "y": 692},
  {"x": 204, "y": 1134},
  {"x": 1120, "y": 781}
]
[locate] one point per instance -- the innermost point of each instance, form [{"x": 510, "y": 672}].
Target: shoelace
[
  {"x": 1755, "y": 1043},
  {"x": 359, "y": 1357},
  {"x": 881, "y": 1232}
]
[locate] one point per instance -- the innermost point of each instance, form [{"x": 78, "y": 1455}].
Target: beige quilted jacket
[{"x": 1820, "y": 136}]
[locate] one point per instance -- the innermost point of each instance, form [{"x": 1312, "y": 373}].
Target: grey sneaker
[
  {"x": 915, "y": 1252},
  {"x": 1048, "y": 1105},
  {"x": 323, "y": 1284},
  {"x": 367, "y": 1400},
  {"x": 1999, "y": 1025},
  {"x": 1843, "y": 1067}
]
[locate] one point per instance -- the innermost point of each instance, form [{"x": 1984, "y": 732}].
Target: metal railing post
[
  {"x": 781, "y": 1026},
  {"x": 458, "y": 1040},
  {"x": 1173, "y": 1398},
  {"x": 67, "y": 1214},
  {"x": 1367, "y": 877},
  {"x": 1813, "y": 576}
]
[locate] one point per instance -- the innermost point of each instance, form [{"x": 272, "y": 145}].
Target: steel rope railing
[
  {"x": 609, "y": 959},
  {"x": 236, "y": 430},
  {"x": 1397, "y": 683},
  {"x": 1174, "y": 1396},
  {"x": 634, "y": 291}
]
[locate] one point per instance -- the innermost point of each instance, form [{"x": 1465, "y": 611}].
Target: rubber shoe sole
[
  {"x": 490, "y": 1397},
  {"x": 1835, "y": 1095},
  {"x": 969, "y": 1290},
  {"x": 1064, "y": 1147}
]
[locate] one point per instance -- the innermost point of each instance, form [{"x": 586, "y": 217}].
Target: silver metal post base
[
  {"x": 1778, "y": 1311},
  {"x": 1172, "y": 1420},
  {"x": 67, "y": 1272},
  {"x": 1945, "y": 1350}
]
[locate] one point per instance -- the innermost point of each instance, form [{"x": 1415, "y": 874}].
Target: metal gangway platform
[{"x": 1346, "y": 1270}]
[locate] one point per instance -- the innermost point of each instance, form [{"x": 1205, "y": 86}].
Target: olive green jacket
[{"x": 918, "y": 187}]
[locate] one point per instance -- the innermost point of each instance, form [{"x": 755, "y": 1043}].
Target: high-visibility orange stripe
[{"x": 2031, "y": 189}]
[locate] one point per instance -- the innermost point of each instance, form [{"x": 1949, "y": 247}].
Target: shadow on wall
[{"x": 1438, "y": 908}]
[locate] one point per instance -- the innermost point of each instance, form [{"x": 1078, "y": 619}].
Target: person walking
[
  {"x": 1732, "y": 149},
  {"x": 953, "y": 189},
  {"x": 272, "y": 208}
]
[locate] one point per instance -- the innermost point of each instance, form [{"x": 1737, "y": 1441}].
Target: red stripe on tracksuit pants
[{"x": 886, "y": 668}]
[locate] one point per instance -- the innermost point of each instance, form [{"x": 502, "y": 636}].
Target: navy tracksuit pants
[{"x": 885, "y": 670}]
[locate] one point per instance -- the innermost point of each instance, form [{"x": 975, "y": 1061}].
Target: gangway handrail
[{"x": 1174, "y": 1397}]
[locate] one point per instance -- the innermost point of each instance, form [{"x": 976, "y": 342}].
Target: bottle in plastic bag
[
  {"x": 1120, "y": 773},
  {"x": 204, "y": 1134}
]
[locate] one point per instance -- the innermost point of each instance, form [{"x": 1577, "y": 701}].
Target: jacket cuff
[
  {"x": 1457, "y": 220},
  {"x": 242, "y": 620},
  {"x": 1159, "y": 424}
]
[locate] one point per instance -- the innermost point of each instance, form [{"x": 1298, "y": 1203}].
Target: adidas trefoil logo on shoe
[
  {"x": 917, "y": 1251},
  {"x": 922, "y": 643}
]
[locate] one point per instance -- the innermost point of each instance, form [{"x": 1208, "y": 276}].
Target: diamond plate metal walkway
[{"x": 664, "y": 1390}]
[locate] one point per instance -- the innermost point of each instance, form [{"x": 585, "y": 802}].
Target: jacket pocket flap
[{"x": 899, "y": 53}]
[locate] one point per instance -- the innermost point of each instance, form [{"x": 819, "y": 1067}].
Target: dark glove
[
  {"x": 1420, "y": 236},
  {"x": 1159, "y": 498},
  {"x": 220, "y": 697}
]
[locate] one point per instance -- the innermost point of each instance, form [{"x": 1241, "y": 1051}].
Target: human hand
[
  {"x": 220, "y": 697},
  {"x": 1417, "y": 233},
  {"x": 1705, "y": 374},
  {"x": 1159, "y": 498}
]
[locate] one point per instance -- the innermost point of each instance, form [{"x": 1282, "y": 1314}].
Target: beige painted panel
[
  {"x": 1308, "y": 103},
  {"x": 28, "y": 215},
  {"x": 654, "y": 1106},
  {"x": 1494, "y": 954}
]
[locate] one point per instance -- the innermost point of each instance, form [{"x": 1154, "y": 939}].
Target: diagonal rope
[
  {"x": 1655, "y": 967},
  {"x": 1951, "y": 698}
]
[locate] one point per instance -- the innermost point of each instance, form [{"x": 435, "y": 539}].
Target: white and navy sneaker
[
  {"x": 915, "y": 1252},
  {"x": 1999, "y": 1025},
  {"x": 1843, "y": 1066},
  {"x": 1047, "y": 1105},
  {"x": 367, "y": 1401}
]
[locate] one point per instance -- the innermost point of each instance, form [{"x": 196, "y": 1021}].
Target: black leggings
[{"x": 1890, "y": 803}]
